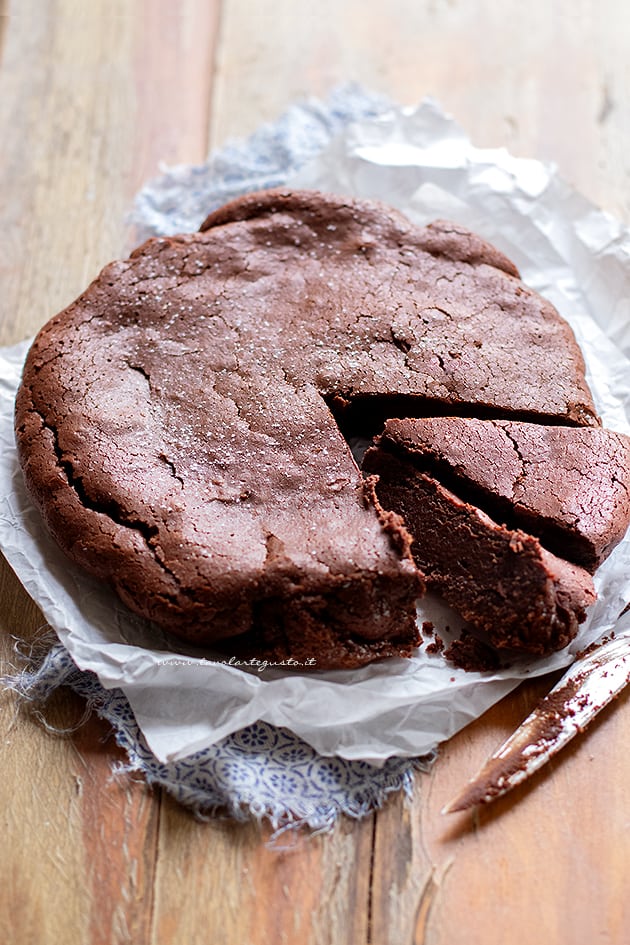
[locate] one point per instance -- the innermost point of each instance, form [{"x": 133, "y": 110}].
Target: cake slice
[
  {"x": 568, "y": 486},
  {"x": 501, "y": 580}
]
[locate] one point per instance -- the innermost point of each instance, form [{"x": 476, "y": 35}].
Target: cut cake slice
[
  {"x": 500, "y": 579},
  {"x": 568, "y": 486}
]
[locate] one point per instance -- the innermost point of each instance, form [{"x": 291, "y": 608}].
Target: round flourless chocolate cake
[{"x": 183, "y": 425}]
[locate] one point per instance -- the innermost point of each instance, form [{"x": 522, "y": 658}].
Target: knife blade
[{"x": 591, "y": 682}]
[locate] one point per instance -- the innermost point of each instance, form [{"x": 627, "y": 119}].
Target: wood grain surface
[{"x": 92, "y": 97}]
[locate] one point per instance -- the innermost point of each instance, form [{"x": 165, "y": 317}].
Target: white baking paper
[{"x": 420, "y": 161}]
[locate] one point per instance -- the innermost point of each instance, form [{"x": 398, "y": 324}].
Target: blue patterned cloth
[{"x": 261, "y": 771}]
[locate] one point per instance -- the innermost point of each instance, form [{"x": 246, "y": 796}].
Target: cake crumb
[
  {"x": 472, "y": 655},
  {"x": 437, "y": 646}
]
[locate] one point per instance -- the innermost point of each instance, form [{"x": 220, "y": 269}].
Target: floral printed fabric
[{"x": 260, "y": 771}]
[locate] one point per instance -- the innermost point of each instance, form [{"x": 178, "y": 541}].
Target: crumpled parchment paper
[{"x": 420, "y": 161}]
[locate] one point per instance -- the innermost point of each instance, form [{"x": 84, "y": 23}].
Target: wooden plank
[
  {"x": 71, "y": 835},
  {"x": 223, "y": 878},
  {"x": 90, "y": 103},
  {"x": 3, "y": 23},
  {"x": 419, "y": 884},
  {"x": 119, "y": 821},
  {"x": 91, "y": 98}
]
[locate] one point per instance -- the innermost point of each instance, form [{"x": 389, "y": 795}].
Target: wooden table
[{"x": 92, "y": 96}]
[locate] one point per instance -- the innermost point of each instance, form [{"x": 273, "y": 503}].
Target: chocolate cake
[
  {"x": 180, "y": 424},
  {"x": 568, "y": 486},
  {"x": 501, "y": 580}
]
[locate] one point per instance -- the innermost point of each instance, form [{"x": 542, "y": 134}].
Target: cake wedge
[
  {"x": 499, "y": 578},
  {"x": 568, "y": 486}
]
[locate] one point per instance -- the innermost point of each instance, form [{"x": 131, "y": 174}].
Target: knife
[{"x": 592, "y": 681}]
